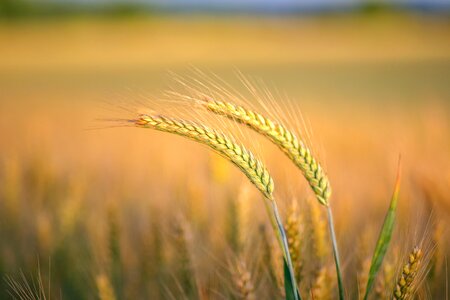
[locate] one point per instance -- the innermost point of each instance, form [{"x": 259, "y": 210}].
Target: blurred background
[{"x": 119, "y": 213}]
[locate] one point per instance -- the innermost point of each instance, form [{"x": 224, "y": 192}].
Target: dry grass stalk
[
  {"x": 285, "y": 139},
  {"x": 184, "y": 265},
  {"x": 385, "y": 280},
  {"x": 438, "y": 258},
  {"x": 114, "y": 236},
  {"x": 363, "y": 276},
  {"x": 271, "y": 262},
  {"x": 405, "y": 283},
  {"x": 238, "y": 220},
  {"x": 323, "y": 287},
  {"x": 277, "y": 268},
  {"x": 242, "y": 279},
  {"x": 237, "y": 154},
  {"x": 319, "y": 233},
  {"x": 105, "y": 289},
  {"x": 293, "y": 229}
]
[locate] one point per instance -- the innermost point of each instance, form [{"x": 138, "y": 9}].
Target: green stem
[
  {"x": 336, "y": 253},
  {"x": 277, "y": 225},
  {"x": 285, "y": 246}
]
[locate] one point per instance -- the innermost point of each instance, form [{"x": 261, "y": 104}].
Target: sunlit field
[{"x": 91, "y": 210}]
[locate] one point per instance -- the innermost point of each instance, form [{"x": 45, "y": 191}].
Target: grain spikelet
[{"x": 405, "y": 282}]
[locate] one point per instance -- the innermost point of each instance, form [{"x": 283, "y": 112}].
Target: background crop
[{"x": 143, "y": 215}]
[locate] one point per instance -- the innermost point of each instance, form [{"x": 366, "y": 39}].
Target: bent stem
[{"x": 335, "y": 253}]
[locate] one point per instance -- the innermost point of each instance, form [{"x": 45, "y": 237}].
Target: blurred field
[{"x": 119, "y": 205}]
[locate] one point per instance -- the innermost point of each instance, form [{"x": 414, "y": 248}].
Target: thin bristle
[{"x": 285, "y": 139}]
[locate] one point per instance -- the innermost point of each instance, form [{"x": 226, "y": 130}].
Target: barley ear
[
  {"x": 242, "y": 158},
  {"x": 285, "y": 139},
  {"x": 406, "y": 280},
  {"x": 295, "y": 149},
  {"x": 222, "y": 144}
]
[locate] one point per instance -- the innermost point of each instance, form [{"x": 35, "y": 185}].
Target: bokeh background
[{"x": 142, "y": 215}]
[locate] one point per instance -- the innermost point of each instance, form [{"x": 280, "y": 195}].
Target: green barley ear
[{"x": 385, "y": 237}]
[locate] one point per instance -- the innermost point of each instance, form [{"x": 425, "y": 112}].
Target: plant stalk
[
  {"x": 285, "y": 247},
  {"x": 335, "y": 253}
]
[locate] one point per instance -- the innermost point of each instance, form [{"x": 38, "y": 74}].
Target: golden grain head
[
  {"x": 405, "y": 282},
  {"x": 253, "y": 168},
  {"x": 281, "y": 136}
]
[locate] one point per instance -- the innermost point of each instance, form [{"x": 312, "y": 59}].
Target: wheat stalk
[
  {"x": 285, "y": 139},
  {"x": 405, "y": 282},
  {"x": 294, "y": 148}
]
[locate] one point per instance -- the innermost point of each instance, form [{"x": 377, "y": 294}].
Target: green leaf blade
[
  {"x": 289, "y": 283},
  {"x": 384, "y": 238}
]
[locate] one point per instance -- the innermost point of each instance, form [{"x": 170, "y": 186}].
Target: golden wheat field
[{"x": 101, "y": 209}]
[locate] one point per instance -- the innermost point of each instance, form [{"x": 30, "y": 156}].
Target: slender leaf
[
  {"x": 384, "y": 238},
  {"x": 289, "y": 283}
]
